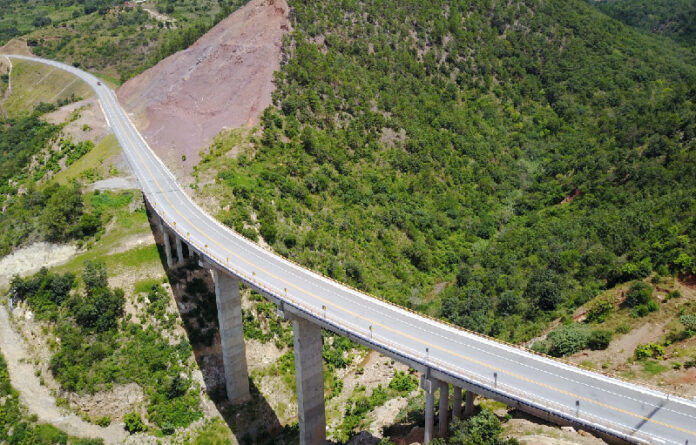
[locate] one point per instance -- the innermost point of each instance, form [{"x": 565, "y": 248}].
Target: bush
[
  {"x": 651, "y": 350},
  {"x": 639, "y": 294},
  {"x": 134, "y": 423},
  {"x": 103, "y": 421},
  {"x": 403, "y": 382},
  {"x": 689, "y": 322},
  {"x": 482, "y": 429},
  {"x": 568, "y": 339},
  {"x": 599, "y": 339},
  {"x": 600, "y": 310},
  {"x": 623, "y": 328}
]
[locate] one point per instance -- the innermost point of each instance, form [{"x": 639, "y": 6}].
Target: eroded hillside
[{"x": 224, "y": 80}]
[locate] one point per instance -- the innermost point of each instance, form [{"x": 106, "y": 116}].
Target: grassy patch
[
  {"x": 145, "y": 285},
  {"x": 93, "y": 166},
  {"x": 215, "y": 432},
  {"x": 33, "y": 83},
  {"x": 652, "y": 368}
]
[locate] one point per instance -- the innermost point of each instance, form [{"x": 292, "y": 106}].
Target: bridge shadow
[{"x": 253, "y": 421}]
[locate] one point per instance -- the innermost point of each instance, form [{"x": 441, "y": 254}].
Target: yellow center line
[{"x": 396, "y": 331}]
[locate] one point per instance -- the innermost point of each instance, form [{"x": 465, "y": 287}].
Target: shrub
[
  {"x": 403, "y": 382},
  {"x": 600, "y": 310},
  {"x": 689, "y": 322},
  {"x": 482, "y": 429},
  {"x": 639, "y": 294},
  {"x": 674, "y": 294},
  {"x": 651, "y": 350},
  {"x": 599, "y": 339},
  {"x": 134, "y": 423},
  {"x": 568, "y": 339},
  {"x": 623, "y": 328},
  {"x": 103, "y": 421}
]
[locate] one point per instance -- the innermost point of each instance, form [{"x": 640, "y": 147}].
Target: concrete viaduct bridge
[{"x": 445, "y": 355}]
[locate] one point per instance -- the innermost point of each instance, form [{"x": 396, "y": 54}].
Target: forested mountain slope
[
  {"x": 673, "y": 18},
  {"x": 493, "y": 163}
]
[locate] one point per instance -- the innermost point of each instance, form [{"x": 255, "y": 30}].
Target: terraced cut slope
[{"x": 34, "y": 83}]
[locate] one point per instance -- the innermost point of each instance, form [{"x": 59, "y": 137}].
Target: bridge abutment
[
  {"x": 229, "y": 307},
  {"x": 309, "y": 371}
]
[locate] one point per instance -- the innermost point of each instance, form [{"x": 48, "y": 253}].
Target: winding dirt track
[{"x": 36, "y": 397}]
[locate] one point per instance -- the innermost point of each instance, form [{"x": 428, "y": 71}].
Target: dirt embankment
[{"x": 224, "y": 80}]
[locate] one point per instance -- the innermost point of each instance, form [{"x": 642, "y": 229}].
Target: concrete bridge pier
[
  {"x": 179, "y": 250},
  {"x": 456, "y": 402},
  {"x": 469, "y": 405},
  {"x": 167, "y": 243},
  {"x": 443, "y": 409},
  {"x": 429, "y": 385},
  {"x": 309, "y": 372},
  {"x": 229, "y": 306}
]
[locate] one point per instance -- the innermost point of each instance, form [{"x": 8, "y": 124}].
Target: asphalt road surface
[{"x": 608, "y": 404}]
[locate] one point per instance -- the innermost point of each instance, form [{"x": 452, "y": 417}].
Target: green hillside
[
  {"x": 110, "y": 37},
  {"x": 675, "y": 19},
  {"x": 423, "y": 151}
]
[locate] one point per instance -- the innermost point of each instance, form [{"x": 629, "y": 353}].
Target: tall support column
[
  {"x": 429, "y": 387},
  {"x": 456, "y": 402},
  {"x": 167, "y": 245},
  {"x": 469, "y": 408},
  {"x": 229, "y": 307},
  {"x": 309, "y": 372},
  {"x": 443, "y": 411},
  {"x": 179, "y": 250}
]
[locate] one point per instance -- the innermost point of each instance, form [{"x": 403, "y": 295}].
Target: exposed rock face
[{"x": 224, "y": 80}]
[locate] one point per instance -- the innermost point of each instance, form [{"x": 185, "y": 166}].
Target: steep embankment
[{"x": 222, "y": 81}]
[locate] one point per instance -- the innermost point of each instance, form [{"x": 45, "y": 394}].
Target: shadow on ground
[{"x": 253, "y": 421}]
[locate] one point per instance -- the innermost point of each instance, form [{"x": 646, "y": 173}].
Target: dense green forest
[
  {"x": 495, "y": 164},
  {"x": 675, "y": 19}
]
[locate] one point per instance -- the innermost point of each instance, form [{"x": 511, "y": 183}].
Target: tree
[
  {"x": 134, "y": 423},
  {"x": 63, "y": 210},
  {"x": 639, "y": 293},
  {"x": 94, "y": 275},
  {"x": 508, "y": 303},
  {"x": 544, "y": 289}
]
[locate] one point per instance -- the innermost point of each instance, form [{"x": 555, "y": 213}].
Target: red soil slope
[{"x": 222, "y": 81}]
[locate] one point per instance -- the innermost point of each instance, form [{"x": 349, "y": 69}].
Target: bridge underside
[{"x": 309, "y": 368}]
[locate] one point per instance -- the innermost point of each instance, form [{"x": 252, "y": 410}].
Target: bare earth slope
[{"x": 224, "y": 80}]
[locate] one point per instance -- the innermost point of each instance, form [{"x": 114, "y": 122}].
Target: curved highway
[{"x": 528, "y": 380}]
